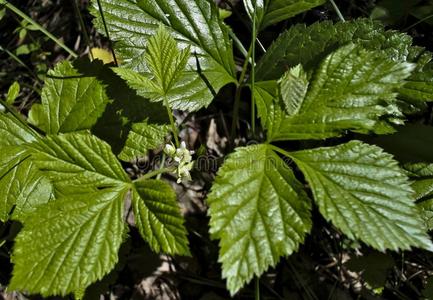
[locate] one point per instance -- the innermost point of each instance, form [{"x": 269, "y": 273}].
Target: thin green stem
[
  {"x": 106, "y": 31},
  {"x": 237, "y": 103},
  {"x": 173, "y": 124},
  {"x": 337, "y": 10},
  {"x": 257, "y": 288},
  {"x": 162, "y": 165},
  {"x": 19, "y": 61},
  {"x": 83, "y": 27},
  {"x": 253, "y": 67},
  {"x": 238, "y": 44},
  {"x": 154, "y": 173},
  {"x": 39, "y": 27},
  {"x": 418, "y": 22},
  {"x": 281, "y": 151}
]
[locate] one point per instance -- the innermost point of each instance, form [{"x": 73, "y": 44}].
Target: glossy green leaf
[
  {"x": 259, "y": 212},
  {"x": 194, "y": 24},
  {"x": 23, "y": 189},
  {"x": 364, "y": 193},
  {"x": 69, "y": 243},
  {"x": 70, "y": 101},
  {"x": 158, "y": 218},
  {"x": 13, "y": 132},
  {"x": 143, "y": 137},
  {"x": 269, "y": 12},
  {"x": 352, "y": 89},
  {"x": 78, "y": 159},
  {"x": 167, "y": 74}
]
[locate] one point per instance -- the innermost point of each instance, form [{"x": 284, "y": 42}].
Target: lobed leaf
[
  {"x": 308, "y": 45},
  {"x": 70, "y": 101},
  {"x": 78, "y": 159},
  {"x": 194, "y": 24},
  {"x": 158, "y": 218},
  {"x": 69, "y": 243},
  {"x": 259, "y": 212},
  {"x": 352, "y": 89},
  {"x": 364, "y": 193}
]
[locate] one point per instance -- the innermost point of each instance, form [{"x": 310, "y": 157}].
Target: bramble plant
[{"x": 60, "y": 169}]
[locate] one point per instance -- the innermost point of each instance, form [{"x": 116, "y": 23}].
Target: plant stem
[
  {"x": 173, "y": 125},
  {"x": 238, "y": 44},
  {"x": 281, "y": 151},
  {"x": 237, "y": 103},
  {"x": 153, "y": 173},
  {"x": 253, "y": 66},
  {"x": 257, "y": 288},
  {"x": 39, "y": 27},
  {"x": 106, "y": 32},
  {"x": 337, "y": 10}
]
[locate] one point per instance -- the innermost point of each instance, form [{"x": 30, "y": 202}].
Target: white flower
[{"x": 183, "y": 158}]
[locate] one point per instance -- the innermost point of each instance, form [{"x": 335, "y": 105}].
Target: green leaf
[
  {"x": 194, "y": 24},
  {"x": 294, "y": 87},
  {"x": 78, "y": 159},
  {"x": 69, "y": 243},
  {"x": 421, "y": 175},
  {"x": 158, "y": 218},
  {"x": 363, "y": 192},
  {"x": 13, "y": 93},
  {"x": 309, "y": 45},
  {"x": 165, "y": 61},
  {"x": 23, "y": 189},
  {"x": 70, "y": 101},
  {"x": 353, "y": 89},
  {"x": 13, "y": 132},
  {"x": 127, "y": 108},
  {"x": 168, "y": 75},
  {"x": 259, "y": 212},
  {"x": 143, "y": 137},
  {"x": 269, "y": 12}
]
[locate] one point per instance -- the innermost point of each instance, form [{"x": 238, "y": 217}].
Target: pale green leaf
[
  {"x": 70, "y": 101},
  {"x": 69, "y": 243},
  {"x": 269, "y": 12},
  {"x": 78, "y": 159},
  {"x": 141, "y": 138},
  {"x": 259, "y": 212},
  {"x": 13, "y": 132},
  {"x": 194, "y": 24},
  {"x": 183, "y": 96},
  {"x": 293, "y": 89},
  {"x": 364, "y": 193},
  {"x": 23, "y": 189},
  {"x": 158, "y": 218},
  {"x": 165, "y": 61},
  {"x": 13, "y": 92},
  {"x": 352, "y": 89},
  {"x": 167, "y": 77}
]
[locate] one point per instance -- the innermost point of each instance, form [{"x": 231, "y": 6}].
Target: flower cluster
[{"x": 183, "y": 159}]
